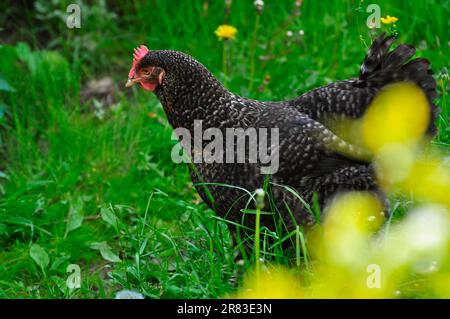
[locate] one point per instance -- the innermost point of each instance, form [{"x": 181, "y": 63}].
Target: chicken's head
[{"x": 144, "y": 73}]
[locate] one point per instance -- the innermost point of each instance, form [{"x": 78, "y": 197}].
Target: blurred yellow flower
[
  {"x": 151, "y": 115},
  {"x": 226, "y": 32},
  {"x": 356, "y": 253},
  {"x": 352, "y": 262},
  {"x": 429, "y": 180},
  {"x": 398, "y": 114},
  {"x": 404, "y": 168},
  {"x": 273, "y": 282},
  {"x": 389, "y": 20},
  {"x": 355, "y": 260},
  {"x": 350, "y": 218},
  {"x": 392, "y": 128}
]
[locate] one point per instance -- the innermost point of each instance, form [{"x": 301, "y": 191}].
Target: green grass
[{"x": 69, "y": 179}]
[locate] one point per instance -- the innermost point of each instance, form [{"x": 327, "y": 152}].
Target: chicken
[{"x": 313, "y": 159}]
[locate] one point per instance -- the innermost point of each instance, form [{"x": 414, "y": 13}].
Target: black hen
[{"x": 312, "y": 158}]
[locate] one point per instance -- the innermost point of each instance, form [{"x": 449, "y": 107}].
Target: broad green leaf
[
  {"x": 105, "y": 251},
  {"x": 75, "y": 216},
  {"x": 109, "y": 217},
  {"x": 40, "y": 256}
]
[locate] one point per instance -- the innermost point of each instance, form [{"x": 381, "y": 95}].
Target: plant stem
[
  {"x": 443, "y": 108},
  {"x": 252, "y": 54},
  {"x": 224, "y": 63},
  {"x": 257, "y": 240},
  {"x": 259, "y": 205},
  {"x": 297, "y": 246}
]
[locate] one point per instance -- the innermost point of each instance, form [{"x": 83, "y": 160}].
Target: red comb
[{"x": 138, "y": 54}]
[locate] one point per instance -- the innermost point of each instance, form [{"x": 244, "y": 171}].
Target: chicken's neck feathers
[{"x": 191, "y": 92}]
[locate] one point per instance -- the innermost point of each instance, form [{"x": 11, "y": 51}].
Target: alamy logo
[
  {"x": 373, "y": 20},
  {"x": 374, "y": 279},
  {"x": 74, "y": 18},
  {"x": 230, "y": 145},
  {"x": 74, "y": 279}
]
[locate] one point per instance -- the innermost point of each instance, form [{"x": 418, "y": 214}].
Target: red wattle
[{"x": 149, "y": 86}]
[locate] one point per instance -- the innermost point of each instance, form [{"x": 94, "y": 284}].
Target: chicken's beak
[{"x": 131, "y": 82}]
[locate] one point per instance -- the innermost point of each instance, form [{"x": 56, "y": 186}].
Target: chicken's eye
[{"x": 146, "y": 71}]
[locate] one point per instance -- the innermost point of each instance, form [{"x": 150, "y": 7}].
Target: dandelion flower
[
  {"x": 226, "y": 32},
  {"x": 259, "y": 193},
  {"x": 389, "y": 20},
  {"x": 259, "y": 5}
]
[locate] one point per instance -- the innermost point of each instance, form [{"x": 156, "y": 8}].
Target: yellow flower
[
  {"x": 226, "y": 32},
  {"x": 274, "y": 282},
  {"x": 389, "y": 20},
  {"x": 391, "y": 118}
]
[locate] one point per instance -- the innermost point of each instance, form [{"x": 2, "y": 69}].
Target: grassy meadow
[{"x": 86, "y": 176}]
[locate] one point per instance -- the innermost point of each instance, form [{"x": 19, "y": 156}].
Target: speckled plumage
[{"x": 312, "y": 157}]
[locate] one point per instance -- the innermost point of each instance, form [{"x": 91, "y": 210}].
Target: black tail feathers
[{"x": 381, "y": 67}]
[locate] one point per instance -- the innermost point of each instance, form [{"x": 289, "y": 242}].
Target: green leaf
[
  {"x": 63, "y": 258},
  {"x": 75, "y": 216},
  {"x": 4, "y": 86},
  {"x": 25, "y": 54},
  {"x": 109, "y": 217},
  {"x": 40, "y": 256},
  {"x": 105, "y": 251}
]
